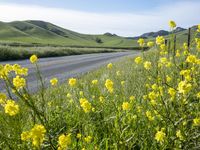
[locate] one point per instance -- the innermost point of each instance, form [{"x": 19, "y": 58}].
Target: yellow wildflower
[
  {"x": 54, "y": 81},
  {"x": 132, "y": 98},
  {"x": 163, "y": 47},
  {"x": 25, "y": 136},
  {"x": 160, "y": 136},
  {"x": 33, "y": 59},
  {"x": 88, "y": 139},
  {"x": 179, "y": 135},
  {"x": 191, "y": 59},
  {"x": 126, "y": 106},
  {"x": 198, "y": 95},
  {"x": 122, "y": 83},
  {"x": 150, "y": 44},
  {"x": 196, "y": 122},
  {"x": 160, "y": 40},
  {"x": 19, "y": 82},
  {"x": 94, "y": 82},
  {"x": 138, "y": 60},
  {"x": 38, "y": 135},
  {"x": 141, "y": 42},
  {"x": 11, "y": 108},
  {"x": 168, "y": 78},
  {"x": 72, "y": 82},
  {"x": 64, "y": 141},
  {"x": 109, "y": 85},
  {"x": 85, "y": 105},
  {"x": 172, "y": 24},
  {"x": 79, "y": 136},
  {"x": 109, "y": 66},
  {"x": 147, "y": 65},
  {"x": 101, "y": 99},
  {"x": 172, "y": 92},
  {"x": 149, "y": 116},
  {"x": 184, "y": 87}
]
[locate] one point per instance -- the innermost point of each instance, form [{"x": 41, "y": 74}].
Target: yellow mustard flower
[
  {"x": 86, "y": 105},
  {"x": 64, "y": 141},
  {"x": 150, "y": 44},
  {"x": 38, "y": 135},
  {"x": 54, "y": 81},
  {"x": 25, "y": 136},
  {"x": 141, "y": 42},
  {"x": 160, "y": 40},
  {"x": 179, "y": 135},
  {"x": 11, "y": 108},
  {"x": 88, "y": 139},
  {"x": 19, "y": 82},
  {"x": 147, "y": 65},
  {"x": 138, "y": 60},
  {"x": 191, "y": 59},
  {"x": 196, "y": 121},
  {"x": 160, "y": 136},
  {"x": 126, "y": 106},
  {"x": 109, "y": 85},
  {"x": 109, "y": 66},
  {"x": 132, "y": 98},
  {"x": 72, "y": 82},
  {"x": 172, "y": 24},
  {"x": 94, "y": 82},
  {"x": 168, "y": 78},
  {"x": 184, "y": 87},
  {"x": 33, "y": 59},
  {"x": 149, "y": 116},
  {"x": 101, "y": 99},
  {"x": 122, "y": 83},
  {"x": 172, "y": 92},
  {"x": 79, "y": 136}
]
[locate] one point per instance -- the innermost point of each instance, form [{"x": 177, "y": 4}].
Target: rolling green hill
[
  {"x": 34, "y": 32},
  {"x": 40, "y": 32}
]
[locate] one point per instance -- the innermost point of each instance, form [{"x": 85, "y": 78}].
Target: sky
[{"x": 122, "y": 17}]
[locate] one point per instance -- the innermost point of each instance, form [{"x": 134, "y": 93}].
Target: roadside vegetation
[
  {"x": 147, "y": 102},
  {"x": 16, "y": 53}
]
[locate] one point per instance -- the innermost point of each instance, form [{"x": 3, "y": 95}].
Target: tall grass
[
  {"x": 148, "y": 102},
  {"x": 16, "y": 53}
]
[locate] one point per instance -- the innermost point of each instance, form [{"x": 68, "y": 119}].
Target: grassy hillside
[
  {"x": 44, "y": 33},
  {"x": 47, "y": 33}
]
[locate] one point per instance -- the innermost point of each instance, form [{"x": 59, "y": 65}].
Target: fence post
[
  {"x": 189, "y": 38},
  {"x": 174, "y": 45}
]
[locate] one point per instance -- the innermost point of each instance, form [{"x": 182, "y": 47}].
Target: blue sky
[
  {"x": 99, "y": 5},
  {"x": 123, "y": 17}
]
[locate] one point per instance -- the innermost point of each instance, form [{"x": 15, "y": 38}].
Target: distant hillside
[
  {"x": 40, "y": 32},
  {"x": 33, "y": 32},
  {"x": 161, "y": 33}
]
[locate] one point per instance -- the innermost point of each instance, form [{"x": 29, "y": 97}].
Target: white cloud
[{"x": 126, "y": 24}]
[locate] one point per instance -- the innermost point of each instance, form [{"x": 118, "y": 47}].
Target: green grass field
[
  {"x": 39, "y": 32},
  {"x": 148, "y": 102},
  {"x": 16, "y": 53}
]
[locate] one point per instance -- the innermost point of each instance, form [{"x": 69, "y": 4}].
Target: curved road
[{"x": 66, "y": 67}]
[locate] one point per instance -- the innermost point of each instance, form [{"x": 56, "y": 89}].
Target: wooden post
[
  {"x": 189, "y": 38},
  {"x": 174, "y": 45}
]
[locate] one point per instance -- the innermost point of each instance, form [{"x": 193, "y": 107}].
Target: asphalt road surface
[{"x": 66, "y": 67}]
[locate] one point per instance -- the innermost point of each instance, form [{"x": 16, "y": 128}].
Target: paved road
[{"x": 66, "y": 67}]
